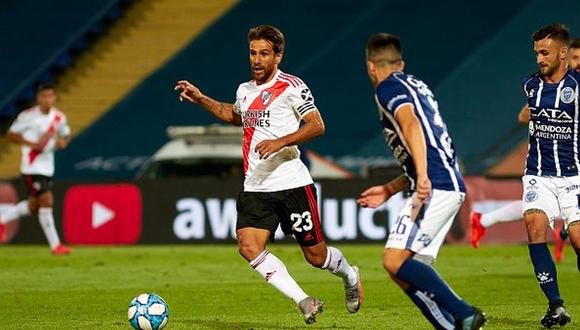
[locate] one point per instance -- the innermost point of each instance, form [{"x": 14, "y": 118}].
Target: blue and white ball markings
[{"x": 148, "y": 311}]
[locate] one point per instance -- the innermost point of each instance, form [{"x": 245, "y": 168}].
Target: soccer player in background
[
  {"x": 552, "y": 175},
  {"x": 417, "y": 135},
  {"x": 278, "y": 189},
  {"x": 40, "y": 130}
]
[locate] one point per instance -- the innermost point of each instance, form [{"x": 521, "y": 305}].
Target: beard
[
  {"x": 548, "y": 70},
  {"x": 260, "y": 77}
]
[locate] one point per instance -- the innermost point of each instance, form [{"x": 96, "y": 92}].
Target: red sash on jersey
[
  {"x": 261, "y": 102},
  {"x": 45, "y": 138}
]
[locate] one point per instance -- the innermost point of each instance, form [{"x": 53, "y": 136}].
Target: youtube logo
[{"x": 102, "y": 214}]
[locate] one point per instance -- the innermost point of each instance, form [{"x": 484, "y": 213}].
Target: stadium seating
[
  {"x": 40, "y": 39},
  {"x": 474, "y": 63}
]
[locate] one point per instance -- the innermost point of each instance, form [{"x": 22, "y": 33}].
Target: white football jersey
[
  {"x": 32, "y": 124},
  {"x": 270, "y": 111}
]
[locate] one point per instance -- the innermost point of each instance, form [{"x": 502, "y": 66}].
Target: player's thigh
[
  {"x": 298, "y": 212},
  {"x": 417, "y": 235},
  {"x": 255, "y": 215},
  {"x": 539, "y": 193},
  {"x": 574, "y": 234}
]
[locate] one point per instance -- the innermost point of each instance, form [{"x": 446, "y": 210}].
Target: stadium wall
[{"x": 185, "y": 211}]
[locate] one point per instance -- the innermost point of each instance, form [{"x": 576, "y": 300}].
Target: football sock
[
  {"x": 15, "y": 212},
  {"x": 426, "y": 279},
  {"x": 47, "y": 223},
  {"x": 336, "y": 264},
  {"x": 438, "y": 317},
  {"x": 507, "y": 213},
  {"x": 545, "y": 271},
  {"x": 276, "y": 274}
]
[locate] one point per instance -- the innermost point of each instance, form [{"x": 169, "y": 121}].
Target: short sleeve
[
  {"x": 301, "y": 100},
  {"x": 238, "y": 103},
  {"x": 63, "y": 129},
  {"x": 19, "y": 125},
  {"x": 392, "y": 95}
]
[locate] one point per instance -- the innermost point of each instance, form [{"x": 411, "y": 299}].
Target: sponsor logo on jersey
[
  {"x": 567, "y": 95},
  {"x": 551, "y": 132},
  {"x": 552, "y": 115},
  {"x": 255, "y": 118},
  {"x": 531, "y": 93}
]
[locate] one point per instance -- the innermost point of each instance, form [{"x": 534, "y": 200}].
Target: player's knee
[
  {"x": 249, "y": 252},
  {"x": 316, "y": 260},
  {"x": 391, "y": 263}
]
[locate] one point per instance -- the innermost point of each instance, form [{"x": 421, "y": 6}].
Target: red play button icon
[{"x": 102, "y": 214}]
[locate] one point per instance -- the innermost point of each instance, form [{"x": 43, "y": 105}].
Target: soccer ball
[{"x": 148, "y": 311}]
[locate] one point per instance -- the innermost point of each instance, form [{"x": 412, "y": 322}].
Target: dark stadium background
[{"x": 115, "y": 63}]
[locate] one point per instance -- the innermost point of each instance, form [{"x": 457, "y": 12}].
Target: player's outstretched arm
[
  {"x": 375, "y": 196},
  {"x": 524, "y": 115},
  {"x": 413, "y": 134},
  {"x": 220, "y": 110},
  {"x": 313, "y": 127}
]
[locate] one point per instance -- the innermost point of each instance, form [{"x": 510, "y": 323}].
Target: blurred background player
[
  {"x": 417, "y": 135},
  {"x": 278, "y": 189},
  {"x": 552, "y": 177},
  {"x": 40, "y": 130},
  {"x": 513, "y": 211}
]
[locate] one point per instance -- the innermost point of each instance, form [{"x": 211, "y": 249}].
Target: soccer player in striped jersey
[
  {"x": 417, "y": 135},
  {"x": 552, "y": 172},
  {"x": 278, "y": 189},
  {"x": 513, "y": 211},
  {"x": 40, "y": 130}
]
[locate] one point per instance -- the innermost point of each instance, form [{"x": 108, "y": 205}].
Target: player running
[
  {"x": 417, "y": 135},
  {"x": 278, "y": 189},
  {"x": 40, "y": 130},
  {"x": 552, "y": 173}
]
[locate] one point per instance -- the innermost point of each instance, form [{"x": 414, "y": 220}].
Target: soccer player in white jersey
[
  {"x": 552, "y": 173},
  {"x": 278, "y": 189},
  {"x": 40, "y": 130},
  {"x": 416, "y": 133}
]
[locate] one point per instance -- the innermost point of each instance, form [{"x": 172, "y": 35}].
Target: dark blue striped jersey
[
  {"x": 553, "y": 128},
  {"x": 399, "y": 89}
]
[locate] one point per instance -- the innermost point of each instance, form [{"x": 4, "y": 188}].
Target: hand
[
  {"x": 61, "y": 143},
  {"x": 268, "y": 147},
  {"x": 374, "y": 196},
  {"x": 423, "y": 188},
  {"x": 188, "y": 92}
]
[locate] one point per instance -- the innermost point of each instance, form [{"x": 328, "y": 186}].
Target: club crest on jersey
[
  {"x": 531, "y": 196},
  {"x": 266, "y": 97},
  {"x": 567, "y": 95}
]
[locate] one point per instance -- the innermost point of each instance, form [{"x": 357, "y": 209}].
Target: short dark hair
[
  {"x": 45, "y": 87},
  {"x": 575, "y": 43},
  {"x": 381, "y": 42},
  {"x": 269, "y": 33},
  {"x": 554, "y": 31}
]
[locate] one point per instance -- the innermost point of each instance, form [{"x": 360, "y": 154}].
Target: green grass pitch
[{"x": 211, "y": 287}]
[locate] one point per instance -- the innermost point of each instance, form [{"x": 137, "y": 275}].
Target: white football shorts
[
  {"x": 554, "y": 195},
  {"x": 426, "y": 234}
]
